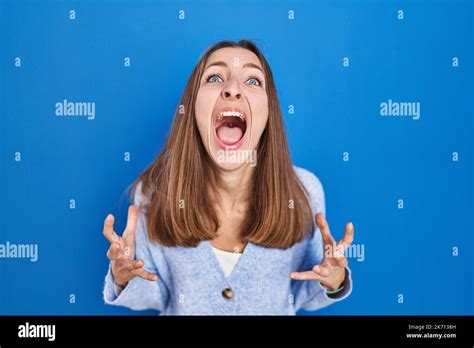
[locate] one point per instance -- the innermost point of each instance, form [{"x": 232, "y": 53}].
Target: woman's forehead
[{"x": 233, "y": 55}]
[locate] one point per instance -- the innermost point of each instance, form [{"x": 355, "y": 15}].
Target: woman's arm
[
  {"x": 311, "y": 294},
  {"x": 139, "y": 293}
]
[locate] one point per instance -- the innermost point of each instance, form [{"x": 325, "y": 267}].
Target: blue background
[{"x": 337, "y": 109}]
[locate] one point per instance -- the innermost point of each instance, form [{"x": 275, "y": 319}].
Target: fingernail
[
  {"x": 351, "y": 225},
  {"x": 108, "y": 217}
]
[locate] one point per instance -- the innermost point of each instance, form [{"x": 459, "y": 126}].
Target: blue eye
[
  {"x": 256, "y": 79},
  {"x": 212, "y": 79}
]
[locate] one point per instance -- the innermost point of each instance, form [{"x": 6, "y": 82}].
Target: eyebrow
[{"x": 246, "y": 65}]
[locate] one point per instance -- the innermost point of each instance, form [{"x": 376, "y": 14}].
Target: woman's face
[{"x": 232, "y": 107}]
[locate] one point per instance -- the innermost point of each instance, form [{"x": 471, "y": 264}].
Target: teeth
[{"x": 231, "y": 113}]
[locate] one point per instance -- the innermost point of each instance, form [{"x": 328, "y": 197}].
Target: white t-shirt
[{"x": 227, "y": 259}]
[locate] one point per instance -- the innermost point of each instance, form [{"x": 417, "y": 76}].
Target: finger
[
  {"x": 308, "y": 275},
  {"x": 339, "y": 255},
  {"x": 322, "y": 271},
  {"x": 129, "y": 233},
  {"x": 343, "y": 244},
  {"x": 137, "y": 264},
  {"x": 109, "y": 230},
  {"x": 324, "y": 227},
  {"x": 328, "y": 240},
  {"x": 348, "y": 236},
  {"x": 342, "y": 262},
  {"x": 145, "y": 274},
  {"x": 339, "y": 258},
  {"x": 132, "y": 265},
  {"x": 114, "y": 252}
]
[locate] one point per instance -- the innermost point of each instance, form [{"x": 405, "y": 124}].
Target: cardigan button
[{"x": 228, "y": 294}]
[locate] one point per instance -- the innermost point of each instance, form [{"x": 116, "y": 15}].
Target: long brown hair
[{"x": 179, "y": 211}]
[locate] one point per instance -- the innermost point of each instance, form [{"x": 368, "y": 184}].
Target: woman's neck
[{"x": 233, "y": 194}]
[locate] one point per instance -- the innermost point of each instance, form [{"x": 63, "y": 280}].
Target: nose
[{"x": 232, "y": 91}]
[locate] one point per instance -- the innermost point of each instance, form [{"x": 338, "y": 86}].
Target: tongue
[{"x": 229, "y": 135}]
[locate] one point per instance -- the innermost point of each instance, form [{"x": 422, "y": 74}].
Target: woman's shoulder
[
  {"x": 308, "y": 179},
  {"x": 314, "y": 187},
  {"x": 139, "y": 198}
]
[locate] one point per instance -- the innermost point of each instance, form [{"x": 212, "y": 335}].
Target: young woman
[{"x": 222, "y": 222}]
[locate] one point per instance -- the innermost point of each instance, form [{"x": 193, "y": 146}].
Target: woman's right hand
[{"x": 122, "y": 250}]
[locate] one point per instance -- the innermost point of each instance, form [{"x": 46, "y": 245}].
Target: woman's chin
[
  {"x": 232, "y": 156},
  {"x": 228, "y": 159},
  {"x": 229, "y": 166}
]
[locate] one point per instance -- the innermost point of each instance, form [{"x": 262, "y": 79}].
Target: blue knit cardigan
[{"x": 191, "y": 281}]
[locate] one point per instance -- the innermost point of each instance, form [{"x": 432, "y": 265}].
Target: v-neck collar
[{"x": 238, "y": 267}]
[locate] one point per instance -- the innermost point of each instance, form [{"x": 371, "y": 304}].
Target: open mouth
[{"x": 230, "y": 128}]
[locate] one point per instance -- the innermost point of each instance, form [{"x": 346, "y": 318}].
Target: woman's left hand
[{"x": 331, "y": 272}]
